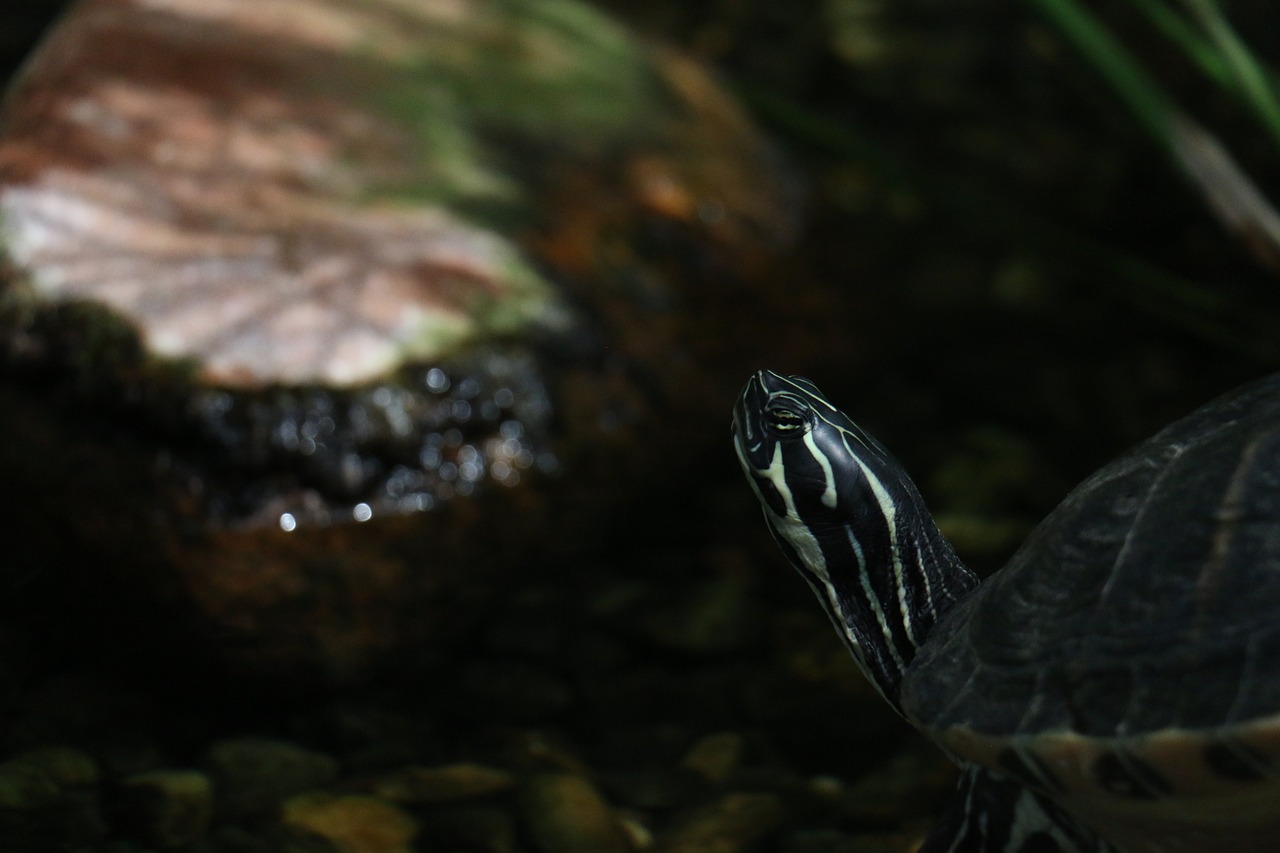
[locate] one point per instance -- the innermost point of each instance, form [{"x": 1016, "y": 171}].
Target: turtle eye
[{"x": 786, "y": 416}]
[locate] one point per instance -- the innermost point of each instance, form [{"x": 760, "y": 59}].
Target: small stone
[
  {"x": 38, "y": 777},
  {"x": 735, "y": 823},
  {"x": 165, "y": 808},
  {"x": 252, "y": 776},
  {"x": 444, "y": 784},
  {"x": 566, "y": 814},
  {"x": 352, "y": 823},
  {"x": 24, "y": 787},
  {"x": 49, "y": 800},
  {"x": 715, "y": 756}
]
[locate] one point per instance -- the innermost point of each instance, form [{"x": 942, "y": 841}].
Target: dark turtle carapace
[{"x": 1116, "y": 686}]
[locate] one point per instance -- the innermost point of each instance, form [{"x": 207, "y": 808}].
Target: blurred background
[{"x": 1011, "y": 238}]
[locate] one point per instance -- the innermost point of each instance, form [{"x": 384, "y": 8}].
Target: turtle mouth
[{"x": 750, "y": 440}]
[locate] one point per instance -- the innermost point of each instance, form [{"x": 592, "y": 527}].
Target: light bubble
[
  {"x": 351, "y": 471},
  {"x": 287, "y": 434},
  {"x": 220, "y": 402},
  {"x": 362, "y": 512},
  {"x": 287, "y": 522},
  {"x": 437, "y": 381}
]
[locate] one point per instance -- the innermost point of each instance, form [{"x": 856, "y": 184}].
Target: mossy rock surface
[{"x": 319, "y": 318}]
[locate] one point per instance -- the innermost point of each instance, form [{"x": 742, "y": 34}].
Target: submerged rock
[
  {"x": 48, "y": 800},
  {"x": 566, "y": 814},
  {"x": 352, "y": 823},
  {"x": 434, "y": 785},
  {"x": 735, "y": 822},
  {"x": 167, "y": 808},
  {"x": 316, "y": 319}
]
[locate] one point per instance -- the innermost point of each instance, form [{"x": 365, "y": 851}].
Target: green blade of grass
[
  {"x": 1179, "y": 301},
  {"x": 1203, "y": 159},
  {"x": 1141, "y": 93},
  {"x": 1188, "y": 39},
  {"x": 1247, "y": 72}
]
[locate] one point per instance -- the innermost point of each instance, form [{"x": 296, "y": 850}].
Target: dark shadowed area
[{"x": 366, "y": 372}]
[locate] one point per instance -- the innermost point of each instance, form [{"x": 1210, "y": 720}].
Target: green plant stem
[
  {"x": 1185, "y": 36},
  {"x": 1180, "y": 301},
  {"x": 1138, "y": 89},
  {"x": 1226, "y": 188},
  {"x": 1248, "y": 74}
]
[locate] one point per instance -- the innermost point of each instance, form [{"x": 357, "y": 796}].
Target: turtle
[{"x": 1116, "y": 685}]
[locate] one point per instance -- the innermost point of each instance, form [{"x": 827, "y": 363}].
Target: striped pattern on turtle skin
[
  {"x": 850, "y": 521},
  {"x": 1122, "y": 673}
]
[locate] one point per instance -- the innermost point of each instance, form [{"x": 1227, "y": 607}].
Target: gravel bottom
[{"x": 691, "y": 701}]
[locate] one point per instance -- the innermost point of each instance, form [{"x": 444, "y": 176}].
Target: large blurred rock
[{"x": 319, "y": 317}]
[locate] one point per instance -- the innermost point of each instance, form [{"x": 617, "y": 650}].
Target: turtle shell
[{"x": 1130, "y": 650}]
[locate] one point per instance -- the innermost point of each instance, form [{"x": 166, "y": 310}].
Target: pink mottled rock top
[{"x": 244, "y": 207}]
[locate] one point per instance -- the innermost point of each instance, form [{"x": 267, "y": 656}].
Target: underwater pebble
[
  {"x": 566, "y": 814},
  {"x": 251, "y": 776},
  {"x": 735, "y": 822},
  {"x": 714, "y": 756},
  {"x": 444, "y": 784},
  {"x": 24, "y": 787},
  {"x": 353, "y": 823},
  {"x": 48, "y": 799},
  {"x": 166, "y": 808},
  {"x": 38, "y": 777},
  {"x": 59, "y": 766}
]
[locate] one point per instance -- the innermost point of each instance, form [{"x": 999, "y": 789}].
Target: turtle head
[
  {"x": 848, "y": 517},
  {"x": 810, "y": 465}
]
